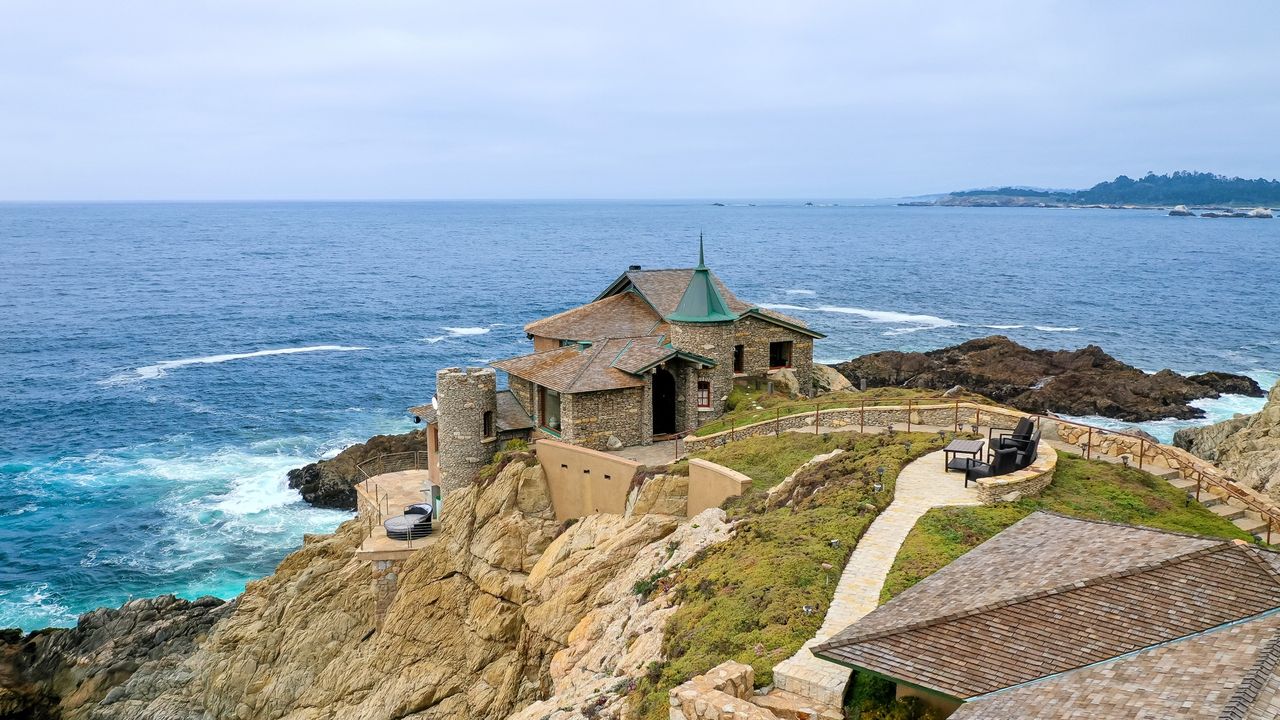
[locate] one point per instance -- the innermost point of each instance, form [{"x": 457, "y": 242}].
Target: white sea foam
[
  {"x": 889, "y": 316},
  {"x": 782, "y": 306},
  {"x": 465, "y": 331},
  {"x": 800, "y": 291},
  {"x": 434, "y": 340},
  {"x": 1051, "y": 328},
  {"x": 150, "y": 372},
  {"x": 1002, "y": 327}
]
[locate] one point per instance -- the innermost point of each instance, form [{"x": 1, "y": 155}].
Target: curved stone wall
[{"x": 1026, "y": 482}]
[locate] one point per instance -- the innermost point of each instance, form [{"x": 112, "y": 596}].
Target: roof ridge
[
  {"x": 1255, "y": 553},
  {"x": 594, "y": 349},
  {"x": 1254, "y": 679},
  {"x": 1130, "y": 526},
  {"x": 837, "y": 642}
]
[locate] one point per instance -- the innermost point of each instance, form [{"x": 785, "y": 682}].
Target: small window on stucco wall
[
  {"x": 780, "y": 354},
  {"x": 488, "y": 423},
  {"x": 704, "y": 394}
]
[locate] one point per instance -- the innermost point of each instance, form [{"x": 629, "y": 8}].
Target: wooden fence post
[
  {"x": 862, "y": 416},
  {"x": 1088, "y": 448}
]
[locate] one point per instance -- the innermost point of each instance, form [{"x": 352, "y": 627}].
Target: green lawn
[
  {"x": 743, "y": 599},
  {"x": 768, "y": 460},
  {"x": 750, "y": 407}
]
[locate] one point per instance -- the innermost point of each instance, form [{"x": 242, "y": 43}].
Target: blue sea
[{"x": 163, "y": 365}]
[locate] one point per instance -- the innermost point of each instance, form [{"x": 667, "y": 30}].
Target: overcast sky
[{"x": 256, "y": 99}]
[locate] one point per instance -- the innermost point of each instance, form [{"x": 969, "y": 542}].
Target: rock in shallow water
[
  {"x": 1087, "y": 381},
  {"x": 331, "y": 483}
]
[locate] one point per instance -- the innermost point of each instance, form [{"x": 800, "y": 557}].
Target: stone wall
[
  {"x": 714, "y": 341},
  {"x": 523, "y": 390},
  {"x": 462, "y": 397},
  {"x": 724, "y": 693},
  {"x": 588, "y": 419},
  {"x": 385, "y": 582},
  {"x": 754, "y": 335}
]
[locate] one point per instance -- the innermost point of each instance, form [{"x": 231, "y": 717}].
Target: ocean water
[{"x": 162, "y": 366}]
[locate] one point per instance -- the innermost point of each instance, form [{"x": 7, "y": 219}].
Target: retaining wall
[{"x": 585, "y": 482}]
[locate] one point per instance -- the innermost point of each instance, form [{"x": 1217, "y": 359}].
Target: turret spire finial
[{"x": 701, "y": 261}]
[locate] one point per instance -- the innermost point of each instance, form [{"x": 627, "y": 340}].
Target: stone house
[
  {"x": 1059, "y": 617},
  {"x": 654, "y": 355}
]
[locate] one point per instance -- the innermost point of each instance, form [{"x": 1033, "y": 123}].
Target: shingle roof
[
  {"x": 664, "y": 288},
  {"x": 1052, "y": 594},
  {"x": 574, "y": 369},
  {"x": 1040, "y": 552},
  {"x": 511, "y": 414},
  {"x": 618, "y": 316},
  {"x": 1226, "y": 674},
  {"x": 610, "y": 364},
  {"x": 427, "y": 413}
]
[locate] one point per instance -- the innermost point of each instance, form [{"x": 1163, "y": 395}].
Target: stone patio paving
[{"x": 922, "y": 484}]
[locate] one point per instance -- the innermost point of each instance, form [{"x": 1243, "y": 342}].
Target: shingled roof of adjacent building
[
  {"x": 610, "y": 364},
  {"x": 617, "y": 316},
  {"x": 1228, "y": 673},
  {"x": 1051, "y": 595}
]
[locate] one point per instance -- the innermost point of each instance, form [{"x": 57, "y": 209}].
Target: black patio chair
[
  {"x": 1003, "y": 461},
  {"x": 1017, "y": 438}
]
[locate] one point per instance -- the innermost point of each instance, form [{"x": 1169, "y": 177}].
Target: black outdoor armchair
[
  {"x": 1003, "y": 461},
  {"x": 1018, "y": 438}
]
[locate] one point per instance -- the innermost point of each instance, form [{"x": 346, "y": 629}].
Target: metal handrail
[{"x": 393, "y": 462}]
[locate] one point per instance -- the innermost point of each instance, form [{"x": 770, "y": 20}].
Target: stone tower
[{"x": 466, "y": 404}]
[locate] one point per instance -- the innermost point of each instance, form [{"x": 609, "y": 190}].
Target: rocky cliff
[
  {"x": 1087, "y": 381},
  {"x": 331, "y": 483},
  {"x": 508, "y": 612},
  {"x": 1247, "y": 447}
]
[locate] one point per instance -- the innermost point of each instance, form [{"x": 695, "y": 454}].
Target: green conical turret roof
[{"x": 702, "y": 302}]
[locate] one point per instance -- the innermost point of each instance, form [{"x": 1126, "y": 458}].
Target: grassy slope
[
  {"x": 745, "y": 404},
  {"x": 768, "y": 460},
  {"x": 743, "y": 599},
  {"x": 1081, "y": 488}
]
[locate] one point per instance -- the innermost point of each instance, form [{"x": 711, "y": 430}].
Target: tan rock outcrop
[
  {"x": 507, "y": 609},
  {"x": 1251, "y": 455}
]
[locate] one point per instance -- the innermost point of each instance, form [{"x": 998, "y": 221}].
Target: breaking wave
[
  {"x": 889, "y": 316},
  {"x": 782, "y": 306},
  {"x": 150, "y": 372},
  {"x": 1050, "y": 328}
]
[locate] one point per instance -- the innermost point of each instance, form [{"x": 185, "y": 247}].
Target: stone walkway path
[{"x": 923, "y": 484}]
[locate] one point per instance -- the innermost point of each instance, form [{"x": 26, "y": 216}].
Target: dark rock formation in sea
[
  {"x": 69, "y": 672},
  {"x": 1087, "y": 381},
  {"x": 1228, "y": 384},
  {"x": 331, "y": 483}
]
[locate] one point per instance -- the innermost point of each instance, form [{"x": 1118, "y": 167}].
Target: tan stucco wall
[
  {"x": 584, "y": 481},
  {"x": 711, "y": 484}
]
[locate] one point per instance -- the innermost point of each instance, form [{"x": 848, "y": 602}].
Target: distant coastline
[{"x": 1217, "y": 195}]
